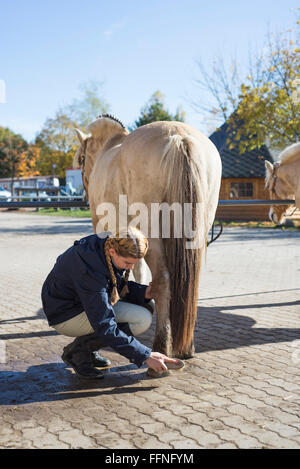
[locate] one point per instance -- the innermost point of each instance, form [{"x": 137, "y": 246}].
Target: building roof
[{"x": 250, "y": 164}]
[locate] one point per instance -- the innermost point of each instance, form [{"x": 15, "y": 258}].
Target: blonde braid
[
  {"x": 129, "y": 243},
  {"x": 125, "y": 289},
  {"x": 114, "y": 298}
]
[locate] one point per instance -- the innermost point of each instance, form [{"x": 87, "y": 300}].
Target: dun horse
[
  {"x": 283, "y": 180},
  {"x": 162, "y": 162}
]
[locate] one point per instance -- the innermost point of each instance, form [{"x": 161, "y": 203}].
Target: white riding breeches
[{"x": 138, "y": 318}]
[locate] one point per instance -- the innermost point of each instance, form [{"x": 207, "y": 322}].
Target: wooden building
[{"x": 243, "y": 178}]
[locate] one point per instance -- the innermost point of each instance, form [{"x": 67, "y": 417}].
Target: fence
[{"x": 60, "y": 202}]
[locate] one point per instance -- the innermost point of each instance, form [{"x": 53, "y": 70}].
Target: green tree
[
  {"x": 57, "y": 143},
  {"x": 154, "y": 111},
  {"x": 12, "y": 148},
  {"x": 269, "y": 109},
  {"x": 89, "y": 106},
  {"x": 264, "y": 106},
  {"x": 57, "y": 140}
]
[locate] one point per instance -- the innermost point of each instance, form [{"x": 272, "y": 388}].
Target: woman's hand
[
  {"x": 157, "y": 360},
  {"x": 148, "y": 292}
]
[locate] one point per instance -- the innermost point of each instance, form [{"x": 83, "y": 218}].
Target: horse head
[
  {"x": 279, "y": 188},
  {"x": 105, "y": 130}
]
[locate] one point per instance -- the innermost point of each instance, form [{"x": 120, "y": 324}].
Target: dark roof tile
[{"x": 236, "y": 165}]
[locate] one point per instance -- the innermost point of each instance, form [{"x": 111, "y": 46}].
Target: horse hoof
[
  {"x": 154, "y": 374},
  {"x": 179, "y": 365},
  {"x": 184, "y": 356}
]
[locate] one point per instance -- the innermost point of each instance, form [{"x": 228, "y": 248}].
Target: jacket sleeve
[
  {"x": 136, "y": 293},
  {"x": 102, "y": 318}
]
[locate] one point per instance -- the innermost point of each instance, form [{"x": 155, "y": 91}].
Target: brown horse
[
  {"x": 283, "y": 181},
  {"x": 159, "y": 165}
]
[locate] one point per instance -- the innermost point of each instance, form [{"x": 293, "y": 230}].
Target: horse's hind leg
[
  {"x": 161, "y": 295},
  {"x": 94, "y": 217}
]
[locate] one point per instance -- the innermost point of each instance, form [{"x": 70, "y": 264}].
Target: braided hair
[{"x": 126, "y": 243}]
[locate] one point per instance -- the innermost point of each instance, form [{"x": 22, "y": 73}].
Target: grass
[{"x": 76, "y": 212}]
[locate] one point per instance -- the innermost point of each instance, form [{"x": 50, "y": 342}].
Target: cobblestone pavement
[{"x": 240, "y": 391}]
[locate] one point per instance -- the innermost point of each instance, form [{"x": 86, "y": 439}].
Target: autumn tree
[
  {"x": 27, "y": 165},
  {"x": 12, "y": 146},
  {"x": 57, "y": 144},
  {"x": 155, "y": 110},
  {"x": 264, "y": 105}
]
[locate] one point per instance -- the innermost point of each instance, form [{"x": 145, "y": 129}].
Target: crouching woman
[{"x": 87, "y": 295}]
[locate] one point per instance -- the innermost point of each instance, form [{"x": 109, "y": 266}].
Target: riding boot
[
  {"x": 99, "y": 361},
  {"x": 78, "y": 355},
  {"x": 94, "y": 343}
]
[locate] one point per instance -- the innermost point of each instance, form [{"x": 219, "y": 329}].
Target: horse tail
[{"x": 185, "y": 184}]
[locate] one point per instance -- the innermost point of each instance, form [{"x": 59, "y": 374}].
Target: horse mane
[
  {"x": 290, "y": 153},
  {"x": 111, "y": 117},
  {"x": 105, "y": 126}
]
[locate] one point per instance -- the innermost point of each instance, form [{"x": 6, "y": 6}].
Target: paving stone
[
  {"x": 241, "y": 390},
  {"x": 186, "y": 444},
  {"x": 76, "y": 439}
]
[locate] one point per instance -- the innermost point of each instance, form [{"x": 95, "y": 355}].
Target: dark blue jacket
[{"x": 80, "y": 281}]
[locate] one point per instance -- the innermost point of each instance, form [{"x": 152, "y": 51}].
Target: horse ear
[
  {"x": 269, "y": 166},
  {"x": 82, "y": 137}
]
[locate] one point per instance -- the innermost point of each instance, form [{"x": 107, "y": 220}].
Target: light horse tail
[{"x": 187, "y": 185}]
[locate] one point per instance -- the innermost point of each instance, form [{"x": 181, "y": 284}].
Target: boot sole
[
  {"x": 67, "y": 362},
  {"x": 88, "y": 377},
  {"x": 105, "y": 367}
]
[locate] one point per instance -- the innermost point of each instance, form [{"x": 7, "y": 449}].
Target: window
[{"x": 241, "y": 189}]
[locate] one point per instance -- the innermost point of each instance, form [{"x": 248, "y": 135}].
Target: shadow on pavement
[
  {"x": 39, "y": 315},
  {"x": 251, "y": 234},
  {"x": 212, "y": 320},
  {"x": 80, "y": 228},
  {"x": 27, "y": 335},
  {"x": 218, "y": 330},
  {"x": 251, "y": 294},
  {"x": 54, "y": 382},
  {"x": 83, "y": 220}
]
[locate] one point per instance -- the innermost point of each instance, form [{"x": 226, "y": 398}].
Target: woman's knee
[
  {"x": 142, "y": 322},
  {"x": 138, "y": 317}
]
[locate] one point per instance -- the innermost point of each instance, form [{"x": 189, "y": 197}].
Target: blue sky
[{"x": 48, "y": 48}]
